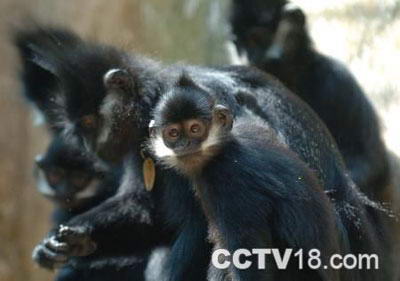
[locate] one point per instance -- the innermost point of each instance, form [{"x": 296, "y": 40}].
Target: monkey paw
[
  {"x": 48, "y": 256},
  {"x": 74, "y": 240}
]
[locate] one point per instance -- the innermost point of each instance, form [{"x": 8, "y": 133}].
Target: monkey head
[
  {"x": 67, "y": 175},
  {"x": 188, "y": 126},
  {"x": 268, "y": 39},
  {"x": 89, "y": 93}
]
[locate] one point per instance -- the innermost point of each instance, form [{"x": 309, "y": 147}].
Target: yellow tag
[{"x": 149, "y": 173}]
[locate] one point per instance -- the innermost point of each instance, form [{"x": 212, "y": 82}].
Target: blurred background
[{"x": 365, "y": 34}]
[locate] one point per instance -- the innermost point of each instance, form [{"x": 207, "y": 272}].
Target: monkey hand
[
  {"x": 48, "y": 256},
  {"x": 55, "y": 251},
  {"x": 75, "y": 240}
]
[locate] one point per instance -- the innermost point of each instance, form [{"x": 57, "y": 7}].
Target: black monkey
[
  {"x": 280, "y": 44},
  {"x": 73, "y": 179},
  {"x": 106, "y": 100},
  {"x": 76, "y": 182},
  {"x": 255, "y": 192}
]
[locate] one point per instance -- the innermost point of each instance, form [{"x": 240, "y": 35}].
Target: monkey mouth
[
  {"x": 188, "y": 153},
  {"x": 68, "y": 203}
]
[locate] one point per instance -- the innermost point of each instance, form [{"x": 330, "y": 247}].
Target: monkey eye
[
  {"x": 80, "y": 179},
  {"x": 89, "y": 121},
  {"x": 172, "y": 133},
  {"x": 196, "y": 128},
  {"x": 54, "y": 176}
]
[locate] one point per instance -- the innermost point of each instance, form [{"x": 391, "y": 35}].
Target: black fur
[
  {"x": 282, "y": 47},
  {"x": 256, "y": 193},
  {"x": 171, "y": 207},
  {"x": 70, "y": 162},
  {"x": 68, "y": 159}
]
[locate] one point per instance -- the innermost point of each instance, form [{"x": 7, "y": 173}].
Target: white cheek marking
[
  {"x": 163, "y": 153},
  {"x": 38, "y": 118},
  {"x": 39, "y": 158},
  {"x": 234, "y": 57},
  {"x": 106, "y": 111},
  {"x": 89, "y": 191},
  {"x": 160, "y": 149},
  {"x": 43, "y": 186}
]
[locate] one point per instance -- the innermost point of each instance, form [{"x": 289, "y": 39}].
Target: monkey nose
[{"x": 274, "y": 53}]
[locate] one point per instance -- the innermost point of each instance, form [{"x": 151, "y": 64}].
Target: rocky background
[{"x": 365, "y": 34}]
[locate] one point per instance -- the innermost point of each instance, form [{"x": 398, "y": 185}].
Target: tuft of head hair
[{"x": 186, "y": 100}]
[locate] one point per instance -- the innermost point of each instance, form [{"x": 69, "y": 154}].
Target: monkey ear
[
  {"x": 223, "y": 116},
  {"x": 119, "y": 79},
  {"x": 186, "y": 81},
  {"x": 39, "y": 160},
  {"x": 295, "y": 13},
  {"x": 39, "y": 74}
]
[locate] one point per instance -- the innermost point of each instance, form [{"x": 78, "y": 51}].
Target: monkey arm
[{"x": 122, "y": 225}]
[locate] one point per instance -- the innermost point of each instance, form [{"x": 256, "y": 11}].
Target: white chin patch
[
  {"x": 89, "y": 191},
  {"x": 43, "y": 186}
]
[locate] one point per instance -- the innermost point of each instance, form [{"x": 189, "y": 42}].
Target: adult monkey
[
  {"x": 115, "y": 257},
  {"x": 273, "y": 35},
  {"x": 106, "y": 98}
]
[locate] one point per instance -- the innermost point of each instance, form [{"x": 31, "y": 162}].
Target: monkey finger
[
  {"x": 53, "y": 244},
  {"x": 48, "y": 259},
  {"x": 71, "y": 234}
]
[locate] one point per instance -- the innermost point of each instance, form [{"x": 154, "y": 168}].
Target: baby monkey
[
  {"x": 189, "y": 128},
  {"x": 254, "y": 191}
]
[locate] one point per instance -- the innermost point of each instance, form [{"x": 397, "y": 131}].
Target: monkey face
[
  {"x": 281, "y": 37},
  {"x": 85, "y": 91},
  {"x": 67, "y": 175},
  {"x": 186, "y": 137},
  {"x": 253, "y": 26},
  {"x": 107, "y": 125},
  {"x": 188, "y": 144},
  {"x": 69, "y": 189},
  {"x": 290, "y": 36}
]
